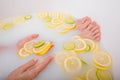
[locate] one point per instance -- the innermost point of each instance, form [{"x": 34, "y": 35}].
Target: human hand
[{"x": 30, "y": 70}]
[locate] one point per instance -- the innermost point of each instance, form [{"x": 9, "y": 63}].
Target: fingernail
[{"x": 36, "y": 58}]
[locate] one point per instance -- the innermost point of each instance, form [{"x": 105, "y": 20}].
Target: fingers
[
  {"x": 21, "y": 43},
  {"x": 28, "y": 65},
  {"x": 35, "y": 71}
]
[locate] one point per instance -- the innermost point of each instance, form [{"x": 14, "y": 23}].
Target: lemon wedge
[
  {"x": 22, "y": 53},
  {"x": 72, "y": 64},
  {"x": 104, "y": 75},
  {"x": 91, "y": 74},
  {"x": 102, "y": 59},
  {"x": 80, "y": 45}
]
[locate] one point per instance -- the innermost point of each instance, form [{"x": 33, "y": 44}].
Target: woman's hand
[{"x": 30, "y": 70}]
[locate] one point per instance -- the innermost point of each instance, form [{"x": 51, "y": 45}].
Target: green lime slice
[
  {"x": 69, "y": 20},
  {"x": 69, "y": 45},
  {"x": 88, "y": 48},
  {"x": 104, "y": 75},
  {"x": 38, "y": 44},
  {"x": 28, "y": 17}
]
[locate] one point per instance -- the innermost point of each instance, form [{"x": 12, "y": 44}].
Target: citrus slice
[
  {"x": 50, "y": 25},
  {"x": 76, "y": 78},
  {"x": 42, "y": 15},
  {"x": 102, "y": 59},
  {"x": 70, "y": 26},
  {"x": 22, "y": 53},
  {"x": 38, "y": 44},
  {"x": 56, "y": 21},
  {"x": 44, "y": 49},
  {"x": 8, "y": 26},
  {"x": 18, "y": 20},
  {"x": 62, "y": 55},
  {"x": 80, "y": 45},
  {"x": 69, "y": 20},
  {"x": 104, "y": 75},
  {"x": 91, "y": 44},
  {"x": 28, "y": 17},
  {"x": 72, "y": 64},
  {"x": 28, "y": 47},
  {"x": 47, "y": 19},
  {"x": 91, "y": 74},
  {"x": 54, "y": 14},
  {"x": 69, "y": 45}
]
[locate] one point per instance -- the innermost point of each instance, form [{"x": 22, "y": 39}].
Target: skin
[
  {"x": 30, "y": 70},
  {"x": 89, "y": 29}
]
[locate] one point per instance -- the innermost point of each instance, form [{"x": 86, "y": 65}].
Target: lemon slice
[
  {"x": 80, "y": 45},
  {"x": 69, "y": 45},
  {"x": 22, "y": 53},
  {"x": 28, "y": 17},
  {"x": 42, "y": 50},
  {"x": 91, "y": 44},
  {"x": 8, "y": 26},
  {"x": 76, "y": 78},
  {"x": 42, "y": 15},
  {"x": 62, "y": 55},
  {"x": 91, "y": 74},
  {"x": 54, "y": 14},
  {"x": 69, "y": 20},
  {"x": 28, "y": 47},
  {"x": 70, "y": 26},
  {"x": 47, "y": 19},
  {"x": 50, "y": 25},
  {"x": 72, "y": 64},
  {"x": 38, "y": 44},
  {"x": 18, "y": 20},
  {"x": 56, "y": 21},
  {"x": 102, "y": 59},
  {"x": 104, "y": 75}
]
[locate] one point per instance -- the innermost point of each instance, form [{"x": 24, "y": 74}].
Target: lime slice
[
  {"x": 22, "y": 53},
  {"x": 38, "y": 44},
  {"x": 69, "y": 45},
  {"x": 104, "y": 75},
  {"x": 28, "y": 17},
  {"x": 102, "y": 59},
  {"x": 91, "y": 74},
  {"x": 72, "y": 64},
  {"x": 44, "y": 49}
]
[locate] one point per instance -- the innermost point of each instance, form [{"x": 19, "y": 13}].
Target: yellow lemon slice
[
  {"x": 54, "y": 14},
  {"x": 69, "y": 20},
  {"x": 28, "y": 17},
  {"x": 50, "y": 25},
  {"x": 47, "y": 19},
  {"x": 62, "y": 55},
  {"x": 70, "y": 26},
  {"x": 28, "y": 47},
  {"x": 69, "y": 45},
  {"x": 102, "y": 59},
  {"x": 22, "y": 53},
  {"x": 104, "y": 75},
  {"x": 18, "y": 20},
  {"x": 8, "y": 26},
  {"x": 42, "y": 14},
  {"x": 76, "y": 78},
  {"x": 91, "y": 44},
  {"x": 44, "y": 49},
  {"x": 72, "y": 64},
  {"x": 56, "y": 21},
  {"x": 80, "y": 45},
  {"x": 91, "y": 74}
]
